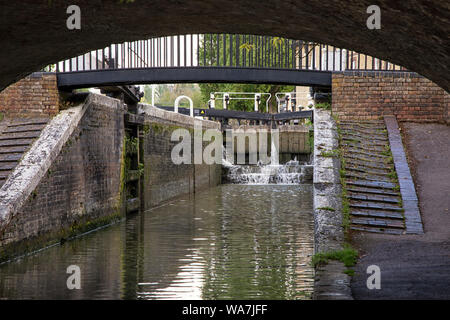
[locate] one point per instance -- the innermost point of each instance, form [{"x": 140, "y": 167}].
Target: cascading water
[{"x": 291, "y": 172}]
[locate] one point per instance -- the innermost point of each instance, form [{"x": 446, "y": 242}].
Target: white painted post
[
  {"x": 257, "y": 101},
  {"x": 191, "y": 104},
  {"x": 226, "y": 100},
  {"x": 212, "y": 100},
  {"x": 288, "y": 102}
]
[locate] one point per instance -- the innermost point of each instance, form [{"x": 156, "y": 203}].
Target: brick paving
[
  {"x": 16, "y": 136},
  {"x": 372, "y": 189}
]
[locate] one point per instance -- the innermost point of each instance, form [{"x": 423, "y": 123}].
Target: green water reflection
[{"x": 229, "y": 242}]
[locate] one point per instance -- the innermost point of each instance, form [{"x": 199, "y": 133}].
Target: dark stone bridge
[{"x": 414, "y": 35}]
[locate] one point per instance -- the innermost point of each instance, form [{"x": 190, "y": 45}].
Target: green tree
[
  {"x": 247, "y": 50},
  {"x": 167, "y": 93}
]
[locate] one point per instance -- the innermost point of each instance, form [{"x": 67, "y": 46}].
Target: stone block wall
[
  {"x": 83, "y": 183},
  {"x": 163, "y": 179},
  {"x": 359, "y": 95},
  {"x": 36, "y": 94}
]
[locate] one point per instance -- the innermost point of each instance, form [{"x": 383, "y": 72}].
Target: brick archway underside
[{"x": 414, "y": 34}]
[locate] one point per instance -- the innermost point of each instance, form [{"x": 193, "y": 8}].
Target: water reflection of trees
[{"x": 264, "y": 243}]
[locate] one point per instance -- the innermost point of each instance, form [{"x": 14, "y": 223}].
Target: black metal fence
[{"x": 223, "y": 50}]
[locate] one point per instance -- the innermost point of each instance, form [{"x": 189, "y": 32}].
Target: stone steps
[
  {"x": 374, "y": 222},
  {"x": 355, "y": 151},
  {"x": 367, "y": 177},
  {"x": 367, "y": 164},
  {"x": 20, "y": 135},
  {"x": 373, "y": 197},
  {"x": 381, "y": 172},
  {"x": 360, "y": 136},
  {"x": 378, "y": 230},
  {"x": 12, "y": 149},
  {"x": 372, "y": 205},
  {"x": 371, "y": 184},
  {"x": 364, "y": 159},
  {"x": 367, "y": 213},
  {"x": 364, "y": 190},
  {"x": 374, "y": 201},
  {"x": 16, "y": 137}
]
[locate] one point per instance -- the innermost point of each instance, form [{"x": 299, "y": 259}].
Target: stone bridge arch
[{"x": 412, "y": 34}]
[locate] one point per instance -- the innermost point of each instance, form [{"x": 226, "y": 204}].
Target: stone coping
[
  {"x": 175, "y": 118},
  {"x": 413, "y": 220},
  {"x": 32, "y": 168},
  {"x": 331, "y": 283},
  {"x": 43, "y": 152}
]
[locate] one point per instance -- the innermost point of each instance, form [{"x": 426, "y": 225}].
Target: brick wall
[
  {"x": 369, "y": 95},
  {"x": 82, "y": 184},
  {"x": 34, "y": 95}
]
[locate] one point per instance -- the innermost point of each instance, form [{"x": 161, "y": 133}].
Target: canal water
[{"x": 229, "y": 242}]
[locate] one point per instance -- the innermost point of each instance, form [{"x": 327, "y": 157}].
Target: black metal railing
[{"x": 223, "y": 50}]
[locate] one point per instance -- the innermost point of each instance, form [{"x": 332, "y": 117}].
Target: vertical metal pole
[
  {"x": 320, "y": 57},
  {"x": 217, "y": 50},
  {"x": 334, "y": 58},
  {"x": 224, "y": 41},
  {"x": 192, "y": 50},
  {"x": 185, "y": 50},
  {"x": 178, "y": 52},
  {"x": 346, "y": 61},
  {"x": 314, "y": 56},
  {"x": 198, "y": 49},
  {"x": 204, "y": 50},
  {"x": 307, "y": 55},
  {"x": 211, "y": 48},
  {"x": 103, "y": 58},
  {"x": 231, "y": 50},
  {"x": 237, "y": 50},
  {"x": 244, "y": 52}
]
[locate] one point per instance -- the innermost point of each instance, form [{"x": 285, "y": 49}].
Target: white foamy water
[{"x": 290, "y": 173}]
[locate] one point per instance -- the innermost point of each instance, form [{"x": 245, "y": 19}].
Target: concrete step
[
  {"x": 377, "y": 214},
  {"x": 365, "y": 158},
  {"x": 16, "y": 149},
  {"x": 19, "y": 135},
  {"x": 24, "y": 128},
  {"x": 28, "y": 121},
  {"x": 366, "y": 177},
  {"x": 356, "y": 151},
  {"x": 374, "y": 206},
  {"x": 377, "y": 230},
  {"x": 4, "y": 166},
  {"x": 373, "y": 197},
  {"x": 370, "y": 184},
  {"x": 380, "y": 129},
  {"x": 4, "y": 174},
  {"x": 364, "y": 137},
  {"x": 381, "y": 172},
  {"x": 382, "y": 223},
  {"x": 367, "y": 164},
  {"x": 16, "y": 142},
  {"x": 367, "y": 145},
  {"x": 10, "y": 157},
  {"x": 379, "y": 191},
  {"x": 364, "y": 131}
]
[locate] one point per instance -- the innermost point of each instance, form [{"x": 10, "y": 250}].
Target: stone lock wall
[
  {"x": 164, "y": 180},
  {"x": 82, "y": 186},
  {"x": 34, "y": 95},
  {"x": 359, "y": 95}
]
